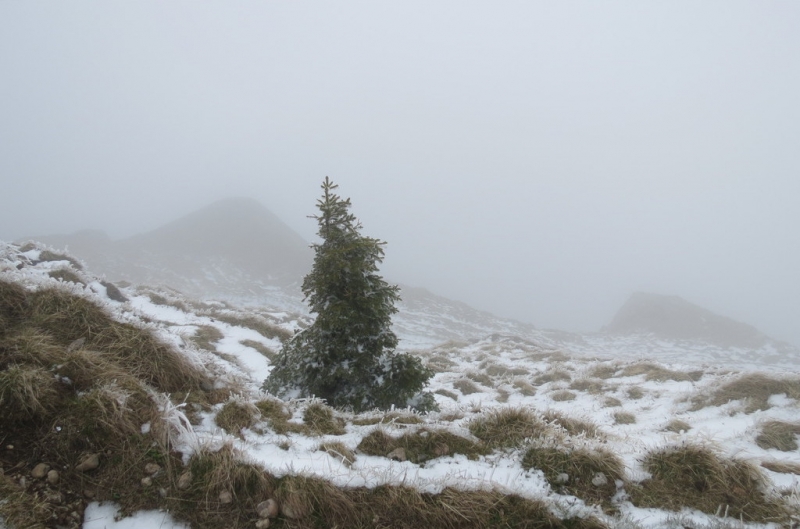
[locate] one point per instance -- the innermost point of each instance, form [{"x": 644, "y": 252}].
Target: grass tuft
[
  {"x": 421, "y": 445},
  {"x": 509, "y": 427},
  {"x": 236, "y": 416},
  {"x": 321, "y": 421},
  {"x": 778, "y": 435},
  {"x": 677, "y": 426},
  {"x": 624, "y": 417},
  {"x": 562, "y": 395},
  {"x": 754, "y": 388},
  {"x": 571, "y": 425},
  {"x": 339, "y": 452},
  {"x": 658, "y": 373},
  {"x": 466, "y": 386},
  {"x": 696, "y": 477}
]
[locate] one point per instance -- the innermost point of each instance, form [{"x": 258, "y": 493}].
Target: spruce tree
[{"x": 347, "y": 355}]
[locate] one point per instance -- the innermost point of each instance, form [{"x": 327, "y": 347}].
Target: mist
[{"x": 541, "y": 161}]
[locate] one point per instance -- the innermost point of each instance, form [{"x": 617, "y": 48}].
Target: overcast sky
[{"x": 538, "y": 160}]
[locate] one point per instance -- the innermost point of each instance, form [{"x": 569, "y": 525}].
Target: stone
[
  {"x": 599, "y": 479},
  {"x": 185, "y": 480},
  {"x": 147, "y": 481},
  {"x": 268, "y": 509},
  {"x": 40, "y": 471},
  {"x": 225, "y": 497},
  {"x": 77, "y": 344},
  {"x": 151, "y": 468},
  {"x": 53, "y": 477},
  {"x": 262, "y": 523},
  {"x": 90, "y": 462},
  {"x": 206, "y": 385},
  {"x": 441, "y": 449},
  {"x": 398, "y": 454},
  {"x": 562, "y": 478},
  {"x": 88, "y": 493}
]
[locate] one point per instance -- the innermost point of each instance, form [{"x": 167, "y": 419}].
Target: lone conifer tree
[{"x": 347, "y": 355}]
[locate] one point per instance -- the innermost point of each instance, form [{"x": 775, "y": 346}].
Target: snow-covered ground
[{"x": 499, "y": 370}]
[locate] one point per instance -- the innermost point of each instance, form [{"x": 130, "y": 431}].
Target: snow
[{"x": 728, "y": 429}]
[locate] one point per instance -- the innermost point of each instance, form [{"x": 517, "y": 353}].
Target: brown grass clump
[
  {"x": 274, "y": 412},
  {"x": 562, "y": 395},
  {"x": 256, "y": 323},
  {"x": 571, "y": 425},
  {"x": 48, "y": 255},
  {"x": 261, "y": 348},
  {"x": 604, "y": 371},
  {"x": 26, "y": 392},
  {"x": 612, "y": 402},
  {"x": 778, "y": 435},
  {"x": 588, "y": 474},
  {"x": 496, "y": 370},
  {"x": 446, "y": 393},
  {"x": 781, "y": 467},
  {"x": 635, "y": 393},
  {"x": 677, "y": 426},
  {"x": 389, "y": 418},
  {"x": 339, "y": 452},
  {"x": 421, "y": 445},
  {"x": 509, "y": 427},
  {"x": 697, "y": 478},
  {"x": 754, "y": 388},
  {"x": 588, "y": 385},
  {"x": 466, "y": 387},
  {"x": 552, "y": 375},
  {"x": 206, "y": 336},
  {"x": 481, "y": 378},
  {"x": 659, "y": 374},
  {"x": 623, "y": 417},
  {"x": 66, "y": 275},
  {"x": 524, "y": 387},
  {"x": 321, "y": 421},
  {"x": 236, "y": 416}
]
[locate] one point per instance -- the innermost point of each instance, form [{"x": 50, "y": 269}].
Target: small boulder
[
  {"x": 40, "y": 471},
  {"x": 268, "y": 509},
  {"x": 262, "y": 523},
  {"x": 90, "y": 462},
  {"x": 225, "y": 497},
  {"x": 185, "y": 480},
  {"x": 147, "y": 481},
  {"x": 398, "y": 454},
  {"x": 53, "y": 477},
  {"x": 599, "y": 479}
]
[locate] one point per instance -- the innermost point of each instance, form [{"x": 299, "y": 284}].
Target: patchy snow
[{"x": 503, "y": 370}]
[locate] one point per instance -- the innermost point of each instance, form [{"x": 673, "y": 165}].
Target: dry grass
[
  {"x": 421, "y": 445},
  {"x": 552, "y": 375},
  {"x": 206, "y": 336},
  {"x": 496, "y": 370},
  {"x": 635, "y": 393},
  {"x": 26, "y": 393},
  {"x": 236, "y": 416},
  {"x": 446, "y": 393},
  {"x": 339, "y": 452},
  {"x": 572, "y": 425},
  {"x": 261, "y": 348},
  {"x": 588, "y": 474},
  {"x": 509, "y": 427},
  {"x": 562, "y": 395},
  {"x": 781, "y": 467},
  {"x": 256, "y": 323},
  {"x": 604, "y": 371},
  {"x": 393, "y": 417},
  {"x": 48, "y": 255},
  {"x": 612, "y": 402},
  {"x": 524, "y": 387},
  {"x": 481, "y": 378},
  {"x": 677, "y": 426},
  {"x": 321, "y": 420},
  {"x": 696, "y": 477},
  {"x": 594, "y": 387},
  {"x": 67, "y": 275},
  {"x": 658, "y": 373},
  {"x": 623, "y": 417},
  {"x": 778, "y": 435},
  {"x": 754, "y": 388},
  {"x": 466, "y": 386}
]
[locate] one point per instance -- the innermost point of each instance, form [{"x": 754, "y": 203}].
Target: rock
[
  {"x": 147, "y": 481},
  {"x": 185, "y": 480},
  {"x": 40, "y": 471},
  {"x": 162, "y": 492},
  {"x": 288, "y": 512},
  {"x": 113, "y": 292},
  {"x": 262, "y": 524},
  {"x": 441, "y": 450},
  {"x": 268, "y": 509},
  {"x": 53, "y": 477},
  {"x": 562, "y": 478},
  {"x": 77, "y": 344},
  {"x": 225, "y": 497},
  {"x": 151, "y": 468},
  {"x": 90, "y": 462},
  {"x": 206, "y": 385},
  {"x": 599, "y": 479},
  {"x": 23, "y": 482},
  {"x": 88, "y": 493},
  {"x": 54, "y": 496},
  {"x": 398, "y": 454}
]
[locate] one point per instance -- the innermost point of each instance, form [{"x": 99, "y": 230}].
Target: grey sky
[{"x": 538, "y": 160}]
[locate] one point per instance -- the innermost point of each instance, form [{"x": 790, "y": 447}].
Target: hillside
[{"x": 527, "y": 435}]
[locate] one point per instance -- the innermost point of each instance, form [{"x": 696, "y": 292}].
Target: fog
[{"x": 541, "y": 161}]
